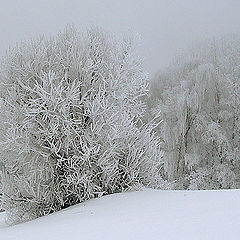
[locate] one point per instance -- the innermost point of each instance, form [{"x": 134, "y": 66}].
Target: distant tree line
[{"x": 197, "y": 99}]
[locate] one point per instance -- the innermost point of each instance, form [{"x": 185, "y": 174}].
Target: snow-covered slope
[{"x": 147, "y": 214}]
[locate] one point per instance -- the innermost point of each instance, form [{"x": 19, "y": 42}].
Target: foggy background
[{"x": 166, "y": 26}]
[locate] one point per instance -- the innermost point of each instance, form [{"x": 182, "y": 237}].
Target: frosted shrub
[{"x": 71, "y": 125}]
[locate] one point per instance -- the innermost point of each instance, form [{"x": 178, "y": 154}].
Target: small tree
[{"x": 71, "y": 123}]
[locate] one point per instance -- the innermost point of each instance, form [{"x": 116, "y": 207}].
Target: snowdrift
[{"x": 148, "y": 214}]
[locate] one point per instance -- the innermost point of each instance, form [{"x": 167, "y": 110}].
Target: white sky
[{"x": 166, "y": 26}]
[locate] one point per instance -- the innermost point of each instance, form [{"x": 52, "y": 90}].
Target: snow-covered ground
[{"x": 148, "y": 214}]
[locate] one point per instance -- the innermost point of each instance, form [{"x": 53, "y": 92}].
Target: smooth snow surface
[{"x": 148, "y": 215}]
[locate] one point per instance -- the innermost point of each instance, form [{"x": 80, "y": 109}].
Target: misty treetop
[{"x": 198, "y": 98}]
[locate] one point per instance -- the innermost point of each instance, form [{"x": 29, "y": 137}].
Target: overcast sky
[{"x": 166, "y": 26}]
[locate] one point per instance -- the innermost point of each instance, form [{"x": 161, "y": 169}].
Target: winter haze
[
  {"x": 166, "y": 27},
  {"x": 88, "y": 138}
]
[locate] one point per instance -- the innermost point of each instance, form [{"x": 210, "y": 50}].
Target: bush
[{"x": 71, "y": 125}]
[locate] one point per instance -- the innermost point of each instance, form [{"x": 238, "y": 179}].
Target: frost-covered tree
[
  {"x": 198, "y": 98},
  {"x": 70, "y": 124}
]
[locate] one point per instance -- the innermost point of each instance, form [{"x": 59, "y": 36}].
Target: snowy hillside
[{"x": 147, "y": 214}]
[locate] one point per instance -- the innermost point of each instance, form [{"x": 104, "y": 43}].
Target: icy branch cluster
[{"x": 70, "y": 127}]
